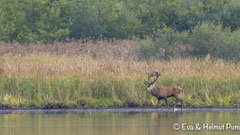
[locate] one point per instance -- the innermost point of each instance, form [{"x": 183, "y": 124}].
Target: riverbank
[
  {"x": 121, "y": 110},
  {"x": 51, "y": 79}
]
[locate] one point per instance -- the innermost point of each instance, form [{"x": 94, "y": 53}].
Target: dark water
[{"x": 107, "y": 123}]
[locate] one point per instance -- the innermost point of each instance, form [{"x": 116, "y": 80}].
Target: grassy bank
[{"x": 61, "y": 81}]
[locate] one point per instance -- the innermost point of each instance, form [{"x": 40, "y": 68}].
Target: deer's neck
[{"x": 151, "y": 87}]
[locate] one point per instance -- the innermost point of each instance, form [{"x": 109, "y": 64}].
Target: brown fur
[{"x": 165, "y": 92}]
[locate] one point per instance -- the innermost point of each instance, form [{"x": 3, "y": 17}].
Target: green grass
[
  {"x": 52, "y": 81},
  {"x": 114, "y": 91}
]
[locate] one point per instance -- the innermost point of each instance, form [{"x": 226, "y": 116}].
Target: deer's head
[{"x": 150, "y": 85}]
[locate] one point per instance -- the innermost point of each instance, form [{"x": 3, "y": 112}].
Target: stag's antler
[
  {"x": 157, "y": 73},
  {"x": 147, "y": 81}
]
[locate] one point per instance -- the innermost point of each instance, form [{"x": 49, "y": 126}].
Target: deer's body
[{"x": 163, "y": 92}]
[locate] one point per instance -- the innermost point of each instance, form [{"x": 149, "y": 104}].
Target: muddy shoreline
[{"x": 121, "y": 110}]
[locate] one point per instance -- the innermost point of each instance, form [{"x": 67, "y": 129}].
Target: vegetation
[
  {"x": 203, "y": 40},
  {"x": 172, "y": 28},
  {"x": 48, "y": 20},
  {"x": 66, "y": 80}
]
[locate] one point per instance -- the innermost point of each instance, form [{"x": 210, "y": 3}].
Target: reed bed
[
  {"x": 117, "y": 49},
  {"x": 36, "y": 80},
  {"x": 60, "y": 80}
]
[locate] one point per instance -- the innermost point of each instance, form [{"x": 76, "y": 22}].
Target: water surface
[{"x": 123, "y": 123}]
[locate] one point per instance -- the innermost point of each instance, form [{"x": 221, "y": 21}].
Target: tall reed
[{"x": 34, "y": 80}]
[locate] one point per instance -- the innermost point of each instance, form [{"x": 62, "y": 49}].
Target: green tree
[
  {"x": 85, "y": 23},
  {"x": 11, "y": 18},
  {"x": 54, "y": 20},
  {"x": 205, "y": 39},
  {"x": 34, "y": 20},
  {"x": 231, "y": 14},
  {"x": 97, "y": 19}
]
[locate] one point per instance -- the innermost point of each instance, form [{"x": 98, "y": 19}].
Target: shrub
[
  {"x": 216, "y": 41},
  {"x": 205, "y": 39},
  {"x": 166, "y": 43}
]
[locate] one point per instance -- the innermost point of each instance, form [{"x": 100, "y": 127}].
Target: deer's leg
[
  {"x": 166, "y": 102},
  {"x": 177, "y": 100},
  {"x": 181, "y": 103},
  {"x": 159, "y": 99},
  {"x": 158, "y": 102}
]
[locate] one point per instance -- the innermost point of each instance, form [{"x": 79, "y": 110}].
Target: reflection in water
[{"x": 113, "y": 123}]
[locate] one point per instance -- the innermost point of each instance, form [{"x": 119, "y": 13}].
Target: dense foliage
[
  {"x": 182, "y": 27},
  {"x": 205, "y": 39},
  {"x": 48, "y": 20}
]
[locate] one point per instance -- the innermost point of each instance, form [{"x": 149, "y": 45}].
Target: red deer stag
[{"x": 163, "y": 92}]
